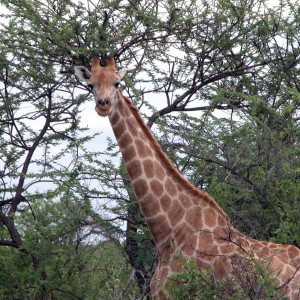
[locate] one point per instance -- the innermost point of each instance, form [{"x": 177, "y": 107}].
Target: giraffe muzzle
[{"x": 103, "y": 107}]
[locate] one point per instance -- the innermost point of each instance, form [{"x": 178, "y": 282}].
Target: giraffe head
[{"x": 103, "y": 82}]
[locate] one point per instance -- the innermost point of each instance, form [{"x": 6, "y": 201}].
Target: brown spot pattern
[
  {"x": 143, "y": 149},
  {"x": 187, "y": 249},
  {"x": 159, "y": 171},
  {"x": 165, "y": 202},
  {"x": 283, "y": 257},
  {"x": 132, "y": 126},
  {"x": 140, "y": 188},
  {"x": 221, "y": 221},
  {"x": 134, "y": 169},
  {"x": 149, "y": 206},
  {"x": 115, "y": 118},
  {"x": 160, "y": 228},
  {"x": 265, "y": 251},
  {"x": 119, "y": 129},
  {"x": 121, "y": 107},
  {"x": 170, "y": 187},
  {"x": 185, "y": 200},
  {"x": 207, "y": 244},
  {"x": 226, "y": 248},
  {"x": 149, "y": 168},
  {"x": 175, "y": 213},
  {"x": 125, "y": 140},
  {"x": 182, "y": 234},
  {"x": 210, "y": 217},
  {"x": 156, "y": 187},
  {"x": 129, "y": 153},
  {"x": 194, "y": 217}
]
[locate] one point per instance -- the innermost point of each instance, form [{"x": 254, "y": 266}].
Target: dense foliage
[
  {"x": 254, "y": 283},
  {"x": 217, "y": 81}
]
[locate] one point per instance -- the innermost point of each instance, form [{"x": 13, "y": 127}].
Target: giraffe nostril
[{"x": 103, "y": 102}]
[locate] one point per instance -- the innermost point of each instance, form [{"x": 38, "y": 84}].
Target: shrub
[{"x": 254, "y": 283}]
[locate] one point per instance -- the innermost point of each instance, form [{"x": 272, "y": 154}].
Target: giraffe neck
[{"x": 162, "y": 192}]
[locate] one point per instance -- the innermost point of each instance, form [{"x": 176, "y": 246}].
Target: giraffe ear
[
  {"x": 122, "y": 73},
  {"x": 82, "y": 73}
]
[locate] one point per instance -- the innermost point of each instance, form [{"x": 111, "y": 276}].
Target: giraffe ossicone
[{"x": 185, "y": 223}]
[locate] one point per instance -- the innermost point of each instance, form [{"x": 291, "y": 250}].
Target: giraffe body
[{"x": 185, "y": 223}]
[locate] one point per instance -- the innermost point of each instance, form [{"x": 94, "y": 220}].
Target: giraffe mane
[{"x": 167, "y": 162}]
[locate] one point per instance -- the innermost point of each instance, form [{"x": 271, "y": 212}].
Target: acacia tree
[{"x": 239, "y": 58}]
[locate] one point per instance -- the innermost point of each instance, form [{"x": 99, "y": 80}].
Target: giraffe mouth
[{"x": 103, "y": 111}]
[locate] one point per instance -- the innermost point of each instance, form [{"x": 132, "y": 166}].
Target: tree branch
[{"x": 195, "y": 88}]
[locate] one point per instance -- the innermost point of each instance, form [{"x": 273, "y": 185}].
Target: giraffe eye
[
  {"x": 90, "y": 86},
  {"x": 117, "y": 84}
]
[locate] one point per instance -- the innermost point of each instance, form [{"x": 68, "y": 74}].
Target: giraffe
[{"x": 185, "y": 222}]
